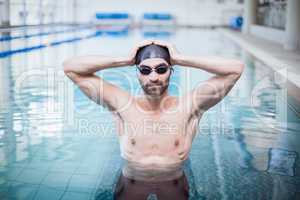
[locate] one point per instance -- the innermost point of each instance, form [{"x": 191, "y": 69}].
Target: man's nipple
[{"x": 176, "y": 143}]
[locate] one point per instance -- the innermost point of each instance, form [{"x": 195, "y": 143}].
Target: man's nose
[{"x": 153, "y": 77}]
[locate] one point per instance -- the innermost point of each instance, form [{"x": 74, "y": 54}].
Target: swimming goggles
[{"x": 146, "y": 70}]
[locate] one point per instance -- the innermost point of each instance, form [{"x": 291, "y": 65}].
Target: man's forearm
[
  {"x": 90, "y": 64},
  {"x": 219, "y": 66}
]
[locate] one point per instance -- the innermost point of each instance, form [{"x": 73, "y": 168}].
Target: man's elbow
[
  {"x": 239, "y": 68},
  {"x": 67, "y": 66}
]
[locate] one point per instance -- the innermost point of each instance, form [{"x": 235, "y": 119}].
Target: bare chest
[{"x": 143, "y": 136}]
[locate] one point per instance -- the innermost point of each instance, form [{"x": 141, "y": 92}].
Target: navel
[
  {"x": 133, "y": 142},
  {"x": 154, "y": 146}
]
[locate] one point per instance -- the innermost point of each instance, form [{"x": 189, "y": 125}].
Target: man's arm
[
  {"x": 203, "y": 97},
  {"x": 81, "y": 71},
  {"x": 212, "y": 91}
]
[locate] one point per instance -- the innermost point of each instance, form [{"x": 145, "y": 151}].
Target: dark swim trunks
[{"x": 129, "y": 189}]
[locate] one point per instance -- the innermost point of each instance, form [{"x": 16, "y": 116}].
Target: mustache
[{"x": 153, "y": 84}]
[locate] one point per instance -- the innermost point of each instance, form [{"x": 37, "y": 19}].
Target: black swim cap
[{"x": 152, "y": 51}]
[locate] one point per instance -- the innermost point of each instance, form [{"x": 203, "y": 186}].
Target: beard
[{"x": 155, "y": 90}]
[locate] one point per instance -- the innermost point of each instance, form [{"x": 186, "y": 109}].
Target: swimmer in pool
[{"x": 155, "y": 129}]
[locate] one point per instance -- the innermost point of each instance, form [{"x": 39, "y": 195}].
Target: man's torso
[{"x": 154, "y": 145}]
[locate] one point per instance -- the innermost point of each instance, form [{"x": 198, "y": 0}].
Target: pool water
[{"x": 57, "y": 144}]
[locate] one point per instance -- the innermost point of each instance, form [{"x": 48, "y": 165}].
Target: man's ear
[
  {"x": 136, "y": 69},
  {"x": 172, "y": 70}
]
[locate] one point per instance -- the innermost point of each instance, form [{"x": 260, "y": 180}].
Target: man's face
[{"x": 154, "y": 84}]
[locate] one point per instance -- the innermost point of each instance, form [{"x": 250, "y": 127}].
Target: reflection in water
[
  {"x": 7, "y": 136},
  {"x": 134, "y": 189},
  {"x": 183, "y": 187},
  {"x": 51, "y": 148},
  {"x": 265, "y": 132},
  {"x": 158, "y": 31}
]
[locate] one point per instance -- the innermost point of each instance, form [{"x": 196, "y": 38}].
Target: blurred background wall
[{"x": 187, "y": 12}]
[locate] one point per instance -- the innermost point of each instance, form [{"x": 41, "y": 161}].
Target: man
[{"x": 155, "y": 129}]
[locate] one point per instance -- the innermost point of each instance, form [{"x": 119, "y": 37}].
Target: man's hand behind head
[{"x": 132, "y": 55}]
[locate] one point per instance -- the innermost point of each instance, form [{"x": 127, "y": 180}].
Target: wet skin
[{"x": 156, "y": 137}]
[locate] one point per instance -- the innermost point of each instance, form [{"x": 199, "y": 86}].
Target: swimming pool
[{"x": 56, "y": 144}]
